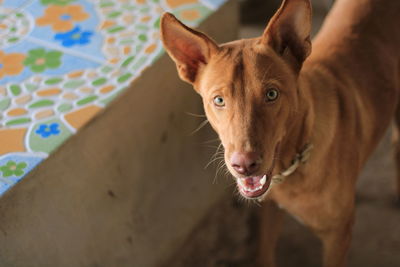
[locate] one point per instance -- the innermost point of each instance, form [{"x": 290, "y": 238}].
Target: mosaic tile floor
[{"x": 62, "y": 61}]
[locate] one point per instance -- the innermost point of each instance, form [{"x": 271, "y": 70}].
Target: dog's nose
[{"x": 245, "y": 163}]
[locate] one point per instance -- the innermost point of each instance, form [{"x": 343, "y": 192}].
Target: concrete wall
[{"x": 128, "y": 188}]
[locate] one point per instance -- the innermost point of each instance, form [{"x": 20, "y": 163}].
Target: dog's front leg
[
  {"x": 271, "y": 220},
  {"x": 336, "y": 243}
]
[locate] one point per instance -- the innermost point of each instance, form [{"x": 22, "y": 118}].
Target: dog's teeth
[
  {"x": 263, "y": 180},
  {"x": 247, "y": 189},
  {"x": 252, "y": 190}
]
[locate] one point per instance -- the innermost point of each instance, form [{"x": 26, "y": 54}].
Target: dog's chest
[{"x": 308, "y": 208}]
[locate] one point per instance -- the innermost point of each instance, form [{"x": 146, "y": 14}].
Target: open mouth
[{"x": 254, "y": 187}]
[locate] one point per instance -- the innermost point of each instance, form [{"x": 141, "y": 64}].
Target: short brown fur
[{"x": 341, "y": 98}]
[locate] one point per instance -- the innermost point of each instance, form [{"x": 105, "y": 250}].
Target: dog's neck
[{"x": 300, "y": 128}]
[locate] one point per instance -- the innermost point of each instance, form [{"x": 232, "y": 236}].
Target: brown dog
[{"x": 271, "y": 101}]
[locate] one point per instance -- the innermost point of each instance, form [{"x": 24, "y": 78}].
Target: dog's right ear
[{"x": 191, "y": 50}]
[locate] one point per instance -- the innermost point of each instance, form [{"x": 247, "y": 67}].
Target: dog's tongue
[
  {"x": 253, "y": 181},
  {"x": 250, "y": 183},
  {"x": 252, "y": 187}
]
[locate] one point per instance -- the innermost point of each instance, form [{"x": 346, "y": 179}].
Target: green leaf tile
[
  {"x": 127, "y": 41},
  {"x": 142, "y": 27},
  {"x": 53, "y": 81},
  {"x": 106, "y": 69},
  {"x": 99, "y": 81},
  {"x": 31, "y": 87},
  {"x": 124, "y": 77},
  {"x": 106, "y": 4},
  {"x": 5, "y": 103},
  {"x": 114, "y": 14},
  {"x": 18, "y": 121},
  {"x": 13, "y": 39},
  {"x": 64, "y": 107},
  {"x": 87, "y": 100},
  {"x": 42, "y": 103},
  {"x": 116, "y": 29},
  {"x": 157, "y": 23},
  {"x": 139, "y": 63},
  {"x": 142, "y": 37},
  {"x": 15, "y": 89},
  {"x": 127, "y": 61},
  {"x": 74, "y": 84}
]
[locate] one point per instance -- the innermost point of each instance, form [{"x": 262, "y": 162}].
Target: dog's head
[{"x": 249, "y": 87}]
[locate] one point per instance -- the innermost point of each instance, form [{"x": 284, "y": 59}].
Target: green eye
[
  {"x": 219, "y": 101},
  {"x": 272, "y": 94}
]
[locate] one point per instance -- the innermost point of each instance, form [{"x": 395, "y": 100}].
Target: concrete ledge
[{"x": 122, "y": 192}]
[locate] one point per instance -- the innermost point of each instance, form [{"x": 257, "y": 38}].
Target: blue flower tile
[
  {"x": 71, "y": 27},
  {"x": 48, "y": 135}
]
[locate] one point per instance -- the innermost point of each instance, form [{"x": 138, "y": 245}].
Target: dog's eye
[
  {"x": 219, "y": 101},
  {"x": 272, "y": 94}
]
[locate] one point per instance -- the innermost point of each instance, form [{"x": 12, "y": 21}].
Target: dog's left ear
[
  {"x": 288, "y": 32},
  {"x": 191, "y": 50}
]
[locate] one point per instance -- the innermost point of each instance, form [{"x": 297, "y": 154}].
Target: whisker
[
  {"x": 213, "y": 160},
  {"x": 196, "y": 115},
  {"x": 204, "y": 123},
  {"x": 233, "y": 183},
  {"x": 254, "y": 201},
  {"x": 227, "y": 173},
  {"x": 221, "y": 164},
  {"x": 211, "y": 141},
  {"x": 218, "y": 155},
  {"x": 211, "y": 146},
  {"x": 242, "y": 199},
  {"x": 218, "y": 151}
]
